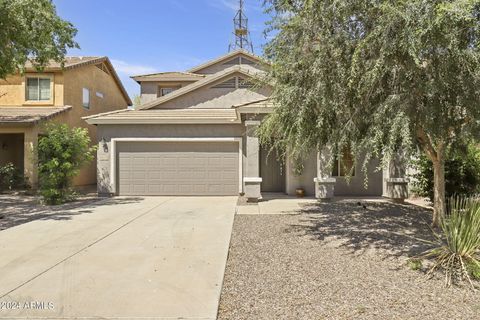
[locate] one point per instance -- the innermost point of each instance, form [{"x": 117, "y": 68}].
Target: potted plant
[{"x": 300, "y": 192}]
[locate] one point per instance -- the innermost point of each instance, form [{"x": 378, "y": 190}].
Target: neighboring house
[
  {"x": 84, "y": 86},
  {"x": 194, "y": 134}
]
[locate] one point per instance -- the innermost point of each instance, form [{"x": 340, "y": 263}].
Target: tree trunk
[{"x": 439, "y": 206}]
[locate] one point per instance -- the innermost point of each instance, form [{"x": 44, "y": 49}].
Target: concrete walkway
[{"x": 128, "y": 258}]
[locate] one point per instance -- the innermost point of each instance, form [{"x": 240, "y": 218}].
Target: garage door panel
[{"x": 167, "y": 168}]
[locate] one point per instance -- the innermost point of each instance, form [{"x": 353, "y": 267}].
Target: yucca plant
[{"x": 460, "y": 240}]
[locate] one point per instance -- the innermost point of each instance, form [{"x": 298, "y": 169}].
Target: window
[
  {"x": 345, "y": 165},
  {"x": 165, "y": 91},
  {"x": 38, "y": 89},
  {"x": 86, "y": 98},
  {"x": 99, "y": 94}
]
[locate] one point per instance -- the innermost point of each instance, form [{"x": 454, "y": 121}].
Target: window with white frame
[
  {"x": 99, "y": 94},
  {"x": 344, "y": 165},
  {"x": 38, "y": 89},
  {"x": 86, "y": 98}
]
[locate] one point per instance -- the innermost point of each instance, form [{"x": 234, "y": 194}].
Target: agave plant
[{"x": 460, "y": 240}]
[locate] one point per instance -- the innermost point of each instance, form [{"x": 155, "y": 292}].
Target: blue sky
[{"x": 146, "y": 36}]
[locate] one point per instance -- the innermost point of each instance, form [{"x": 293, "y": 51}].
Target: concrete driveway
[{"x": 149, "y": 258}]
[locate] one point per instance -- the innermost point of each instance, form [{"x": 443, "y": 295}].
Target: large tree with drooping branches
[
  {"x": 377, "y": 75},
  {"x": 31, "y": 30}
]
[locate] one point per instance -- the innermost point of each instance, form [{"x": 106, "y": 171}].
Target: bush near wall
[
  {"x": 11, "y": 177},
  {"x": 462, "y": 172},
  {"x": 62, "y": 151}
]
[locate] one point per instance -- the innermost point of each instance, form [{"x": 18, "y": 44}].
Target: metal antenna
[{"x": 241, "y": 32}]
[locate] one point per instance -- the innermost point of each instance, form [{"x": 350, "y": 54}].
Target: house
[
  {"x": 82, "y": 87},
  {"x": 194, "y": 134}
]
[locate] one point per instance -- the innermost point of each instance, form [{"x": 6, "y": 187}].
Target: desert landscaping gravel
[{"x": 337, "y": 261}]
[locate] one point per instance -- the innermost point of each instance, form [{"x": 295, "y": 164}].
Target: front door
[{"x": 272, "y": 171}]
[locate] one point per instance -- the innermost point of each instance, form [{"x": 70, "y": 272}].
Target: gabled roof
[
  {"x": 159, "y": 116},
  {"x": 28, "y": 115},
  {"x": 257, "y": 106},
  {"x": 77, "y": 62},
  {"x": 226, "y": 57},
  {"x": 168, "y": 76},
  {"x": 243, "y": 69},
  {"x": 69, "y": 63}
]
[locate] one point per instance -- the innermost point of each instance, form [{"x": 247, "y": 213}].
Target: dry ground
[{"x": 337, "y": 261}]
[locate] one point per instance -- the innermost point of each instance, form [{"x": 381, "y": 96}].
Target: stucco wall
[
  {"x": 356, "y": 185},
  {"x": 305, "y": 180},
  {"x": 94, "y": 79},
  {"x": 211, "y": 98},
  {"x": 108, "y": 132},
  {"x": 149, "y": 89},
  {"x": 12, "y": 90}
]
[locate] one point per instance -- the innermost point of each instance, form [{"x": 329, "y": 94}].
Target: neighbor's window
[
  {"x": 344, "y": 165},
  {"x": 99, "y": 94},
  {"x": 38, "y": 89},
  {"x": 86, "y": 98},
  {"x": 165, "y": 91}
]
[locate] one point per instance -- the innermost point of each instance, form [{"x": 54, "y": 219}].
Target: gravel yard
[{"x": 337, "y": 261}]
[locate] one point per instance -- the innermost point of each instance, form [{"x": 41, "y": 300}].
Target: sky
[{"x": 148, "y": 36}]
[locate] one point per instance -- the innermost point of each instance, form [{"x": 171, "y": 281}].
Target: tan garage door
[{"x": 177, "y": 168}]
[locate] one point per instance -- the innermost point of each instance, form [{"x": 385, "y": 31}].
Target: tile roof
[
  {"x": 28, "y": 115},
  {"x": 128, "y": 116},
  {"x": 70, "y": 62},
  {"x": 168, "y": 76}
]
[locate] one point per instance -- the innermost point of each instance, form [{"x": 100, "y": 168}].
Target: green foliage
[
  {"x": 30, "y": 30},
  {"x": 380, "y": 76},
  {"x": 462, "y": 173},
  {"x": 61, "y": 154},
  {"x": 460, "y": 240},
  {"x": 11, "y": 177},
  {"x": 415, "y": 264},
  {"x": 474, "y": 270}
]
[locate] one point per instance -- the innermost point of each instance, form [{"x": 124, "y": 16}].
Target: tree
[
  {"x": 30, "y": 30},
  {"x": 62, "y": 151},
  {"x": 380, "y": 76}
]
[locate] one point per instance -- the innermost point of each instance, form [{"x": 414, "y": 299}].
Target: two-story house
[
  {"x": 82, "y": 87},
  {"x": 195, "y": 134}
]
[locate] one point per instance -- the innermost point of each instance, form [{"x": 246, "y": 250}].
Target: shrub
[
  {"x": 61, "y": 154},
  {"x": 415, "y": 264},
  {"x": 474, "y": 270},
  {"x": 462, "y": 173},
  {"x": 459, "y": 240},
  {"x": 11, "y": 177}
]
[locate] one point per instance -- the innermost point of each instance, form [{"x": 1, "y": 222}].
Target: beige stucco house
[
  {"x": 194, "y": 134},
  {"x": 82, "y": 87}
]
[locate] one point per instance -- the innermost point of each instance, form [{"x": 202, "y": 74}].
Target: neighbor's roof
[
  {"x": 76, "y": 62},
  {"x": 28, "y": 115},
  {"x": 168, "y": 76},
  {"x": 155, "y": 116},
  {"x": 243, "y": 69},
  {"x": 226, "y": 57},
  {"x": 70, "y": 63}
]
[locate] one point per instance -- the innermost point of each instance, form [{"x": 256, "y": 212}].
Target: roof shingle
[{"x": 28, "y": 115}]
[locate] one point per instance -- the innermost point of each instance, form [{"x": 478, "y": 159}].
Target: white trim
[
  {"x": 113, "y": 162},
  {"x": 252, "y": 180}
]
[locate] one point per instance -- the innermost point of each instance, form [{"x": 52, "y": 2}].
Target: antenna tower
[{"x": 241, "y": 32}]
